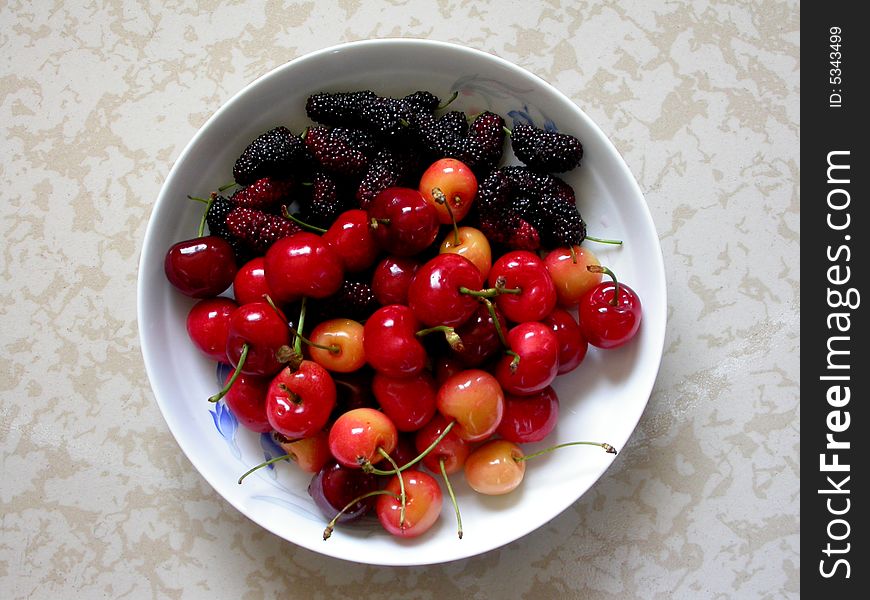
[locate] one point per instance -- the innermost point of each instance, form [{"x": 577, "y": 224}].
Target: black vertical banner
[{"x": 834, "y": 360}]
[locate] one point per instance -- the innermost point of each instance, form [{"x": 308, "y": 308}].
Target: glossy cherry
[
  {"x": 480, "y": 338},
  {"x": 529, "y": 418},
  {"x": 572, "y": 343},
  {"x": 208, "y": 326},
  {"x": 449, "y": 185},
  {"x": 391, "y": 343},
  {"x": 474, "y": 399},
  {"x": 358, "y": 436},
  {"x": 435, "y": 294},
  {"x": 409, "y": 402},
  {"x": 422, "y": 509},
  {"x": 495, "y": 468},
  {"x": 392, "y": 278},
  {"x": 335, "y": 486},
  {"x": 523, "y": 270},
  {"x": 472, "y": 244},
  {"x": 250, "y": 283},
  {"x": 452, "y": 449},
  {"x": 300, "y": 401},
  {"x": 352, "y": 239},
  {"x": 404, "y": 223},
  {"x": 261, "y": 329},
  {"x": 570, "y": 275},
  {"x": 339, "y": 345},
  {"x": 310, "y": 454},
  {"x": 536, "y": 363},
  {"x": 246, "y": 399},
  {"x": 201, "y": 267},
  {"x": 303, "y": 265},
  {"x": 610, "y": 313}
]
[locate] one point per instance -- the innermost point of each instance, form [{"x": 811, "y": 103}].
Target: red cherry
[
  {"x": 473, "y": 399},
  {"x": 392, "y": 278},
  {"x": 435, "y": 295},
  {"x": 261, "y": 329},
  {"x": 201, "y": 267},
  {"x": 299, "y": 402},
  {"x": 538, "y": 350},
  {"x": 404, "y": 223},
  {"x": 452, "y": 449},
  {"x": 310, "y": 454},
  {"x": 250, "y": 283},
  {"x": 353, "y": 390},
  {"x": 450, "y": 187},
  {"x": 523, "y": 270},
  {"x": 208, "y": 326},
  {"x": 246, "y": 399},
  {"x": 336, "y": 486},
  {"x": 302, "y": 265},
  {"x": 610, "y": 313},
  {"x": 350, "y": 236},
  {"x": 408, "y": 402},
  {"x": 445, "y": 367},
  {"x": 572, "y": 343},
  {"x": 356, "y": 437},
  {"x": 405, "y": 451},
  {"x": 529, "y": 418},
  {"x": 423, "y": 504},
  {"x": 480, "y": 339},
  {"x": 391, "y": 344}
]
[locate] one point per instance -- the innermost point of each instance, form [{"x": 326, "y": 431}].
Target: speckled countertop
[{"x": 96, "y": 102}]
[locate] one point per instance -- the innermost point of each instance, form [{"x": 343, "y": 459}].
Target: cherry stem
[
  {"x": 201, "y": 229},
  {"x": 607, "y": 448},
  {"x": 506, "y": 130},
  {"x": 603, "y": 240},
  {"x": 449, "y": 101},
  {"x": 238, "y": 371},
  {"x": 490, "y": 292},
  {"x": 331, "y": 525},
  {"x": 492, "y": 314},
  {"x": 599, "y": 269},
  {"x": 440, "y": 198},
  {"x": 515, "y": 363},
  {"x": 452, "y": 337},
  {"x": 573, "y": 252},
  {"x": 270, "y": 302},
  {"x": 374, "y": 223},
  {"x": 297, "y": 344},
  {"x": 226, "y": 186},
  {"x": 369, "y": 468},
  {"x": 266, "y": 463},
  {"x": 452, "y": 498},
  {"x": 291, "y": 395},
  {"x": 285, "y": 212},
  {"x": 203, "y": 200},
  {"x": 334, "y": 348},
  {"x": 403, "y": 497}
]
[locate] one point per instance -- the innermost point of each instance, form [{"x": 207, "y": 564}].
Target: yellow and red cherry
[
  {"x": 480, "y": 337},
  {"x": 392, "y": 278},
  {"x": 302, "y": 265},
  {"x": 246, "y": 399},
  {"x": 335, "y": 486},
  {"x": 362, "y": 436},
  {"x": 421, "y": 509},
  {"x": 495, "y": 468},
  {"x": 474, "y": 399},
  {"x": 403, "y": 222},
  {"x": 524, "y": 271},
  {"x": 391, "y": 344},
  {"x": 534, "y": 363},
  {"x": 450, "y": 187},
  {"x": 208, "y": 326},
  {"x": 529, "y": 418},
  {"x": 452, "y": 450},
  {"x": 310, "y": 454},
  {"x": 337, "y": 345},
  {"x": 570, "y": 275},
  {"x": 610, "y": 313},
  {"x": 572, "y": 343},
  {"x": 409, "y": 402},
  {"x": 250, "y": 283},
  {"x": 435, "y": 294},
  {"x": 472, "y": 244},
  {"x": 352, "y": 239},
  {"x": 201, "y": 267},
  {"x": 300, "y": 401}
]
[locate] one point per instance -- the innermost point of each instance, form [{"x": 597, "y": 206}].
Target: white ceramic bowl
[{"x": 601, "y": 400}]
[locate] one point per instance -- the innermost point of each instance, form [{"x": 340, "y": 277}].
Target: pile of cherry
[{"x": 451, "y": 373}]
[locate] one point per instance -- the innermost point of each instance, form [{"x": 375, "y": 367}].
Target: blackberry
[
  {"x": 546, "y": 150},
  {"x": 342, "y": 109},
  {"x": 258, "y": 230},
  {"x": 563, "y": 225},
  {"x": 266, "y": 194},
  {"x": 390, "y": 167},
  {"x": 487, "y": 132},
  {"x": 326, "y": 202},
  {"x": 354, "y": 300},
  {"x": 510, "y": 230},
  {"x": 386, "y": 117},
  {"x": 334, "y": 152},
  {"x": 422, "y": 101},
  {"x": 215, "y": 217},
  {"x": 272, "y": 154}
]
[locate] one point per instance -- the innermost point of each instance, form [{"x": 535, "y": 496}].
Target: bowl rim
[{"x": 145, "y": 258}]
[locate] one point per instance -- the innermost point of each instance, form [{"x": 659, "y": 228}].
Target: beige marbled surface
[{"x": 96, "y": 101}]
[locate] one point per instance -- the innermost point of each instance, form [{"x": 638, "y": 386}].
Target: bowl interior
[{"x": 601, "y": 400}]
